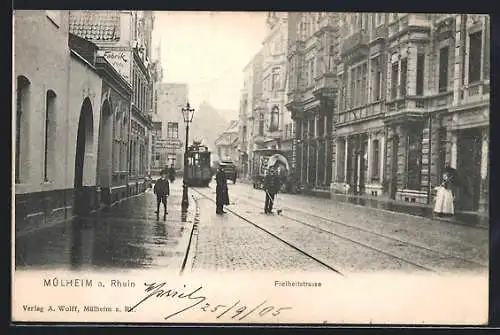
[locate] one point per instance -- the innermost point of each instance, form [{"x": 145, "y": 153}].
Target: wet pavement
[
  {"x": 421, "y": 210},
  {"x": 128, "y": 235},
  {"x": 472, "y": 219},
  {"x": 354, "y": 238}
]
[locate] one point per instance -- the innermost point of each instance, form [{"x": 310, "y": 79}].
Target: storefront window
[{"x": 414, "y": 156}]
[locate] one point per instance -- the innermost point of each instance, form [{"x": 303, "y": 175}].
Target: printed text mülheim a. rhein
[{"x": 303, "y": 283}]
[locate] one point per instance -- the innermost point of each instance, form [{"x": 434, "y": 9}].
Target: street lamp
[{"x": 187, "y": 114}]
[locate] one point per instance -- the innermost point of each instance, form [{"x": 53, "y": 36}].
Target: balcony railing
[
  {"x": 380, "y": 33},
  {"x": 324, "y": 84},
  {"x": 360, "y": 113},
  {"x": 354, "y": 42},
  {"x": 476, "y": 92}
]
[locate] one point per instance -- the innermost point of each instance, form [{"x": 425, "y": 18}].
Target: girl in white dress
[{"x": 444, "y": 205}]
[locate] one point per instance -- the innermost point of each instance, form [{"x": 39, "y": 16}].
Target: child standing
[{"x": 444, "y": 205}]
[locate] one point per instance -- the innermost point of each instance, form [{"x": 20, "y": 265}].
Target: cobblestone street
[
  {"x": 347, "y": 237},
  {"x": 310, "y": 235}
]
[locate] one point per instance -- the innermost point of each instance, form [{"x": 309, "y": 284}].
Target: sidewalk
[
  {"x": 127, "y": 235},
  {"x": 423, "y": 210}
]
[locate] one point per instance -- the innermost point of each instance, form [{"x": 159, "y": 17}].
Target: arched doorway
[
  {"x": 84, "y": 147},
  {"x": 105, "y": 157}
]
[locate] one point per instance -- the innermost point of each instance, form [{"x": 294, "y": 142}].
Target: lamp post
[{"x": 187, "y": 114}]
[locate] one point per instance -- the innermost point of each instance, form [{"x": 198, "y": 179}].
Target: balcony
[
  {"x": 380, "y": 34},
  {"x": 324, "y": 86},
  {"x": 409, "y": 22},
  {"x": 356, "y": 45},
  {"x": 361, "y": 113},
  {"x": 294, "y": 98},
  {"x": 295, "y": 48},
  {"x": 476, "y": 93}
]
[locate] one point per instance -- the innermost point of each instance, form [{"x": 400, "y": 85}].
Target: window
[
  {"x": 420, "y": 74},
  {"x": 443, "y": 69},
  {"x": 157, "y": 156},
  {"x": 21, "y": 109},
  {"x": 404, "y": 74},
  {"x": 275, "y": 78},
  {"x": 394, "y": 80},
  {"x": 275, "y": 119},
  {"x": 414, "y": 157},
  {"x": 364, "y": 81},
  {"x": 377, "y": 90},
  {"x": 475, "y": 46},
  {"x": 352, "y": 90},
  {"x": 261, "y": 124},
  {"x": 376, "y": 159},
  {"x": 124, "y": 148},
  {"x": 357, "y": 74},
  {"x": 172, "y": 130},
  {"x": 50, "y": 122},
  {"x": 342, "y": 93}
]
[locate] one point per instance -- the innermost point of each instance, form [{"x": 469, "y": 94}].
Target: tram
[
  {"x": 262, "y": 158},
  {"x": 199, "y": 172}
]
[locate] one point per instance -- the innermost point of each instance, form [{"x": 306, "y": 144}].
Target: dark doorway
[
  {"x": 394, "y": 167},
  {"x": 469, "y": 144},
  {"x": 84, "y": 144}
]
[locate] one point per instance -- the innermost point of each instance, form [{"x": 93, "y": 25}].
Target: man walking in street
[
  {"x": 271, "y": 187},
  {"x": 162, "y": 191},
  {"x": 221, "y": 193}
]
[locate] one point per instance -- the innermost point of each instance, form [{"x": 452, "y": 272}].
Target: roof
[{"x": 95, "y": 25}]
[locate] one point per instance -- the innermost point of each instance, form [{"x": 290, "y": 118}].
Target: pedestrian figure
[
  {"x": 221, "y": 194},
  {"x": 171, "y": 173},
  {"x": 444, "y": 205},
  {"x": 271, "y": 186},
  {"x": 162, "y": 191}
]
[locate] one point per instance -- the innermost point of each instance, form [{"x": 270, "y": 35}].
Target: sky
[{"x": 208, "y": 51}]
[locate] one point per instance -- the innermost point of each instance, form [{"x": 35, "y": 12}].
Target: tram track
[
  {"x": 368, "y": 231},
  {"x": 447, "y": 259},
  {"x": 274, "y": 235}
]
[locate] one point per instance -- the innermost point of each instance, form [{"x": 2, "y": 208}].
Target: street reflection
[{"x": 122, "y": 237}]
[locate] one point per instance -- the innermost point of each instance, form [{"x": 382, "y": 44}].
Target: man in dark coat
[
  {"x": 171, "y": 173},
  {"x": 221, "y": 194},
  {"x": 162, "y": 191},
  {"x": 272, "y": 185}
]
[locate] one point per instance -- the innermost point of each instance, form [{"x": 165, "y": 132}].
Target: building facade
[
  {"x": 413, "y": 99},
  {"x": 226, "y": 145},
  {"x": 172, "y": 97},
  {"x": 271, "y": 113},
  {"x": 249, "y": 120},
  {"x": 157, "y": 156},
  {"x": 312, "y": 52},
  {"x": 57, "y": 117},
  {"x": 124, "y": 39}
]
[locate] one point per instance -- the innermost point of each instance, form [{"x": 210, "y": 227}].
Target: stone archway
[
  {"x": 84, "y": 149},
  {"x": 104, "y": 160}
]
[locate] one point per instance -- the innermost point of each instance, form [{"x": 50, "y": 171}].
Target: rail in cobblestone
[
  {"x": 252, "y": 201},
  {"x": 291, "y": 245}
]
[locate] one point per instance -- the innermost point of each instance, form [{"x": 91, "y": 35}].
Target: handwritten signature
[{"x": 236, "y": 310}]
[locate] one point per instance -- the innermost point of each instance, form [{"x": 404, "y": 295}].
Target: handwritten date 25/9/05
[{"x": 235, "y": 311}]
